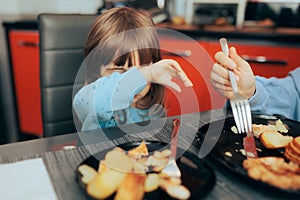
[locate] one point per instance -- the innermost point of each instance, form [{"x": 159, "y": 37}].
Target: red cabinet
[
  {"x": 24, "y": 51},
  {"x": 197, "y": 64},
  {"x": 196, "y": 58},
  {"x": 265, "y": 60}
]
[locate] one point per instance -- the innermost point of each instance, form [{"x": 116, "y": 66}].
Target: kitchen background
[{"x": 15, "y": 10}]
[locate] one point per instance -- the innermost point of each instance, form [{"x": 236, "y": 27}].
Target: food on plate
[
  {"x": 178, "y": 191},
  {"x": 274, "y": 171},
  {"x": 151, "y": 182},
  {"x": 258, "y": 129},
  {"x": 117, "y": 159},
  {"x": 274, "y": 140},
  {"x": 270, "y": 135},
  {"x": 88, "y": 173},
  {"x": 105, "y": 183},
  {"x": 126, "y": 175},
  {"x": 292, "y": 151},
  {"x": 173, "y": 187},
  {"x": 234, "y": 129},
  {"x": 140, "y": 150},
  {"x": 295, "y": 144},
  {"x": 228, "y": 153},
  {"x": 158, "y": 160},
  {"x": 243, "y": 152},
  {"x": 132, "y": 187},
  {"x": 280, "y": 172},
  {"x": 278, "y": 126}
]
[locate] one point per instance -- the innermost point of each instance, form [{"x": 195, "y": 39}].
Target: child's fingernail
[
  {"x": 189, "y": 84},
  {"x": 237, "y": 78}
]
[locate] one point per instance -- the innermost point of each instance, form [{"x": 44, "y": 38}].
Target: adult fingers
[
  {"x": 225, "y": 61},
  {"x": 220, "y": 71},
  {"x": 216, "y": 78},
  {"x": 238, "y": 59},
  {"x": 224, "y": 90},
  {"x": 222, "y": 87}
]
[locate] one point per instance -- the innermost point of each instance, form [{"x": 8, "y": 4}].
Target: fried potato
[
  {"x": 166, "y": 152},
  {"x": 118, "y": 160},
  {"x": 166, "y": 180},
  {"x": 281, "y": 127},
  {"x": 124, "y": 173},
  {"x": 178, "y": 191},
  {"x": 274, "y": 140},
  {"x": 152, "y": 182},
  {"x": 140, "y": 150},
  {"x": 292, "y": 152},
  {"x": 88, "y": 173},
  {"x": 257, "y": 129},
  {"x": 274, "y": 171},
  {"x": 132, "y": 187},
  {"x": 102, "y": 166},
  {"x": 156, "y": 163},
  {"x": 105, "y": 183}
]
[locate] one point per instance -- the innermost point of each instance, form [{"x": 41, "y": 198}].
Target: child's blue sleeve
[
  {"x": 98, "y": 100},
  {"x": 116, "y": 92}
]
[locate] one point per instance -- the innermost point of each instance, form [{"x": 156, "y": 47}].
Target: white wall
[
  {"x": 277, "y": 6},
  {"x": 34, "y": 7}
]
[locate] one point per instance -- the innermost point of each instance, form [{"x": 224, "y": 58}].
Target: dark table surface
[{"x": 62, "y": 154}]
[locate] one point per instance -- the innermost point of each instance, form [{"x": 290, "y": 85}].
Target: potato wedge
[
  {"x": 88, "y": 173},
  {"x": 132, "y": 188},
  {"x": 105, "y": 183}
]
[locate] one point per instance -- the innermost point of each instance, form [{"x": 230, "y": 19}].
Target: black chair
[{"x": 62, "y": 38}]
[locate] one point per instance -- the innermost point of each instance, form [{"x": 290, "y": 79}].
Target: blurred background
[{"x": 276, "y": 13}]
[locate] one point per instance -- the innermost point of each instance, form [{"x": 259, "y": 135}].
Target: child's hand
[{"x": 163, "y": 71}]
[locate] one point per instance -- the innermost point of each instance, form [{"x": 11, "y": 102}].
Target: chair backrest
[{"x": 62, "y": 38}]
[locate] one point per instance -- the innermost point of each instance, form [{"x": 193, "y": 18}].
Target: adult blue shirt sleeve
[{"x": 278, "y": 96}]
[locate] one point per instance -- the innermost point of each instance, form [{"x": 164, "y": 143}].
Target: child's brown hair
[{"x": 114, "y": 35}]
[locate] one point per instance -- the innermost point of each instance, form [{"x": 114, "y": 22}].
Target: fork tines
[{"x": 242, "y": 115}]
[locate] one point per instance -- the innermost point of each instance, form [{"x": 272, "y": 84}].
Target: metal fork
[
  {"x": 172, "y": 169},
  {"x": 241, "y": 110}
]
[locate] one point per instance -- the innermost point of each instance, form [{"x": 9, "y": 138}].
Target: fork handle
[
  {"x": 233, "y": 82},
  {"x": 174, "y": 139},
  {"x": 224, "y": 47}
]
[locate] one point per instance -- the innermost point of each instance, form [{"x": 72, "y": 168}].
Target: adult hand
[
  {"x": 242, "y": 70},
  {"x": 163, "y": 71}
]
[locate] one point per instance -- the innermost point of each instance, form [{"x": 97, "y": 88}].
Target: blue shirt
[
  {"x": 100, "y": 103},
  {"x": 278, "y": 96}
]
